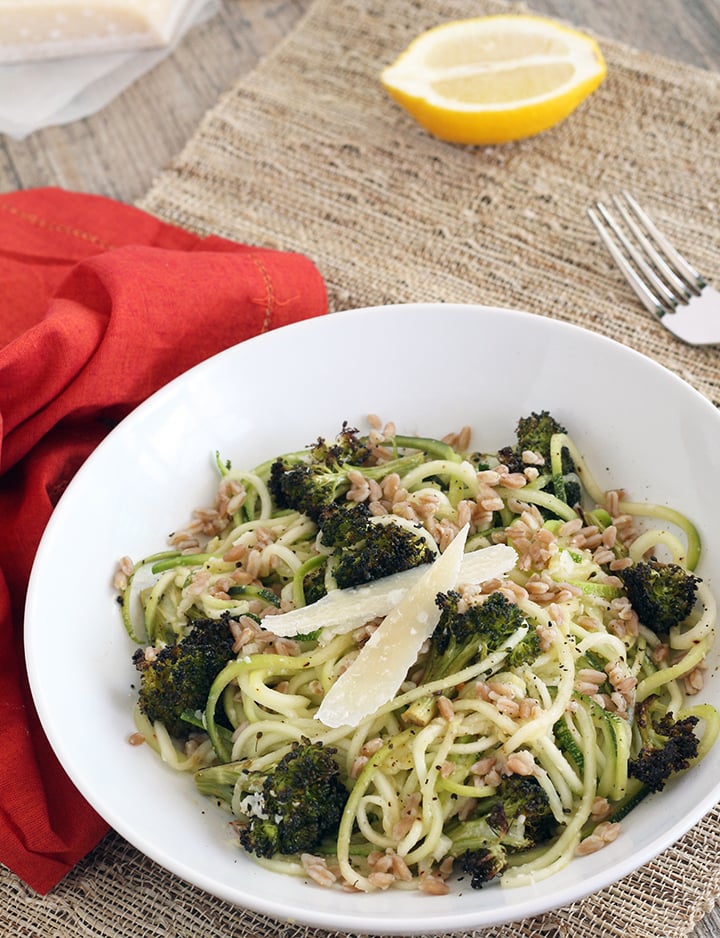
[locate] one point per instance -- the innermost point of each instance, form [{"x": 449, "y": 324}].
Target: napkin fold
[{"x": 100, "y": 305}]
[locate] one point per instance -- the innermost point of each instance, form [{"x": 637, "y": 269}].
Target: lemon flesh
[{"x": 494, "y": 79}]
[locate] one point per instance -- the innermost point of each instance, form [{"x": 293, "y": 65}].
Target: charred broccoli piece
[
  {"x": 662, "y": 594},
  {"x": 314, "y": 481},
  {"x": 369, "y": 550},
  {"x": 667, "y": 745},
  {"x": 344, "y": 526},
  {"x": 305, "y": 487},
  {"x": 348, "y": 447},
  {"x": 535, "y": 433},
  {"x": 178, "y": 677},
  {"x": 287, "y": 808},
  {"x": 362, "y": 551},
  {"x": 518, "y": 816},
  {"x": 465, "y": 633},
  {"x": 384, "y": 550},
  {"x": 485, "y": 863}
]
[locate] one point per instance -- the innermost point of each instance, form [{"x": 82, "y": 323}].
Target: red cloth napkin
[{"x": 100, "y": 305}]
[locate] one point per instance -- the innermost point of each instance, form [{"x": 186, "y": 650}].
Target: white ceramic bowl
[{"x": 431, "y": 369}]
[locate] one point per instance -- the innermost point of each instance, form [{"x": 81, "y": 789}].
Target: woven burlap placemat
[{"x": 309, "y": 154}]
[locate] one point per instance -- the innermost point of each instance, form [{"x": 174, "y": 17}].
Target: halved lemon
[{"x": 496, "y": 78}]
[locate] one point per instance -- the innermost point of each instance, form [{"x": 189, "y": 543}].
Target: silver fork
[{"x": 668, "y": 286}]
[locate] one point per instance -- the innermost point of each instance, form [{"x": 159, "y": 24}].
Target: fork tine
[
  {"x": 683, "y": 266},
  {"x": 682, "y": 289},
  {"x": 648, "y": 299},
  {"x": 666, "y": 296}
]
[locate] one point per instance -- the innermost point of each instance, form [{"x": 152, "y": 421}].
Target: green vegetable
[
  {"x": 662, "y": 594},
  {"x": 517, "y": 817},
  {"x": 667, "y": 745},
  {"x": 464, "y": 635},
  {"x": 179, "y": 676},
  {"x": 287, "y": 808}
]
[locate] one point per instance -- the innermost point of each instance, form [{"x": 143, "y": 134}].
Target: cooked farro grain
[
  {"x": 601, "y": 809},
  {"x": 317, "y": 869},
  {"x": 447, "y": 769},
  {"x": 433, "y": 885},
  {"x": 521, "y": 762},
  {"x": 123, "y": 572},
  {"x": 381, "y": 880},
  {"x": 460, "y": 440},
  {"x": 445, "y": 708},
  {"x": 408, "y": 815},
  {"x": 694, "y": 681},
  {"x": 604, "y": 834}
]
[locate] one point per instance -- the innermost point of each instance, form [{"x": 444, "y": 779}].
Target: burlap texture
[{"x": 309, "y": 154}]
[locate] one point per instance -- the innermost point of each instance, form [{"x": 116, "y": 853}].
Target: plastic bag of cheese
[
  {"x": 71, "y": 86},
  {"x": 48, "y": 29}
]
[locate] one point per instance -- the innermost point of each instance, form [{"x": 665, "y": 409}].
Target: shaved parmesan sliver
[
  {"x": 378, "y": 671},
  {"x": 342, "y": 611}
]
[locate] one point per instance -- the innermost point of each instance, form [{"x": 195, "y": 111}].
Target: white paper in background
[{"x": 51, "y": 92}]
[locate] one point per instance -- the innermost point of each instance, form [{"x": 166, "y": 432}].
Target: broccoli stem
[{"x": 223, "y": 467}]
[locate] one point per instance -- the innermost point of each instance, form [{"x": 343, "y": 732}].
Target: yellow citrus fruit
[{"x": 495, "y": 78}]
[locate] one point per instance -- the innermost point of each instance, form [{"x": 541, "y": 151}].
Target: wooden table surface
[{"x": 116, "y": 153}]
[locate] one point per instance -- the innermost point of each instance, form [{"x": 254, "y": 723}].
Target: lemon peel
[{"x": 494, "y": 79}]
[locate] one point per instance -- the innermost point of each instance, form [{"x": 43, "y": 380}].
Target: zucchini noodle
[{"x": 566, "y": 718}]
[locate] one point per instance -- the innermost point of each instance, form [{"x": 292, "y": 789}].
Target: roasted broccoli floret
[
  {"x": 177, "y": 678},
  {"x": 377, "y": 550},
  {"x": 662, "y": 594},
  {"x": 516, "y": 818},
  {"x": 314, "y": 481},
  {"x": 288, "y": 808},
  {"x": 484, "y": 863},
  {"x": 360, "y": 550},
  {"x": 344, "y": 525},
  {"x": 348, "y": 447},
  {"x": 534, "y": 433},
  {"x": 466, "y": 632},
  {"x": 667, "y": 745}
]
